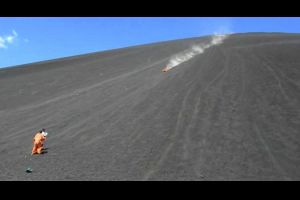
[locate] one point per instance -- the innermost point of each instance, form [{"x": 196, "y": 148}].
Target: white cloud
[
  {"x": 8, "y": 39},
  {"x": 2, "y": 43},
  {"x": 15, "y": 33}
]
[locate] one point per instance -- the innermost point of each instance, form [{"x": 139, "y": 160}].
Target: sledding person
[{"x": 38, "y": 142}]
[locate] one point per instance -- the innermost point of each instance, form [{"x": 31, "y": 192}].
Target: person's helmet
[
  {"x": 44, "y": 134},
  {"x": 43, "y": 130}
]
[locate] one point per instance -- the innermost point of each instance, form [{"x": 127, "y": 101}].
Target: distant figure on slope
[
  {"x": 166, "y": 69},
  {"x": 38, "y": 142}
]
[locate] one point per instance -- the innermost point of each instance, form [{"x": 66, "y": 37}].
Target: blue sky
[{"x": 31, "y": 39}]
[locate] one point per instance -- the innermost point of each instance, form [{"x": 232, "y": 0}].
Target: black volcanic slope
[{"x": 231, "y": 113}]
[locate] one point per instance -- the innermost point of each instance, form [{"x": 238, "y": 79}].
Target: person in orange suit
[{"x": 38, "y": 142}]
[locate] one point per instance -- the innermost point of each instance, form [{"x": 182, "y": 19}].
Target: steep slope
[{"x": 230, "y": 113}]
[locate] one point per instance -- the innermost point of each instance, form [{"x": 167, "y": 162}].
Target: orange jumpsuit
[{"x": 38, "y": 142}]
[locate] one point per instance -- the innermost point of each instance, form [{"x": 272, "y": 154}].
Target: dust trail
[{"x": 193, "y": 51}]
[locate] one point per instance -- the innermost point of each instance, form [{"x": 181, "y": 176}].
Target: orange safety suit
[{"x": 38, "y": 142}]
